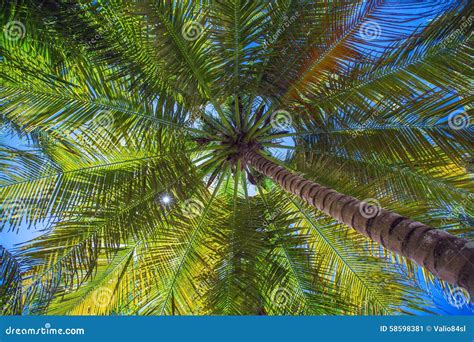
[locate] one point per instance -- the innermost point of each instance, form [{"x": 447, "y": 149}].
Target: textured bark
[{"x": 446, "y": 256}]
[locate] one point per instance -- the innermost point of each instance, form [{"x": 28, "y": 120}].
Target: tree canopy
[{"x": 133, "y": 111}]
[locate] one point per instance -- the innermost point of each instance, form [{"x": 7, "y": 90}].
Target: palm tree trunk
[{"x": 446, "y": 256}]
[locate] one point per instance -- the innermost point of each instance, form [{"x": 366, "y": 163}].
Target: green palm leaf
[{"x": 156, "y": 147}]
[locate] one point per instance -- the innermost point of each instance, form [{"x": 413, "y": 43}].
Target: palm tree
[{"x": 155, "y": 169}]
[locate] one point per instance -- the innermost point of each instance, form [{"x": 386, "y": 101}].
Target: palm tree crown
[{"x": 212, "y": 157}]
